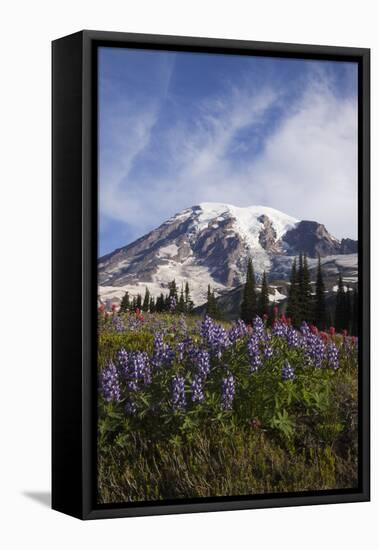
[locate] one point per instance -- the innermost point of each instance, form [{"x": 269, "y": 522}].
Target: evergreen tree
[
  {"x": 139, "y": 301},
  {"x": 181, "y": 304},
  {"x": 134, "y": 303},
  {"x": 173, "y": 290},
  {"x": 263, "y": 299},
  {"x": 300, "y": 272},
  {"x": 146, "y": 300},
  {"x": 293, "y": 296},
  {"x": 347, "y": 311},
  {"x": 125, "y": 303},
  {"x": 340, "y": 309},
  {"x": 329, "y": 318},
  {"x": 320, "y": 306},
  {"x": 210, "y": 305},
  {"x": 152, "y": 305},
  {"x": 159, "y": 306},
  {"x": 188, "y": 299},
  {"x": 249, "y": 299},
  {"x": 305, "y": 293}
]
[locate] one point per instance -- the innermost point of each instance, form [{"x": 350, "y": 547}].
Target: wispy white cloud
[{"x": 306, "y": 166}]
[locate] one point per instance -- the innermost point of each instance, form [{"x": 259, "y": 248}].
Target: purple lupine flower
[
  {"x": 110, "y": 383},
  {"x": 118, "y": 324},
  {"x": 258, "y": 327},
  {"x": 178, "y": 393},
  {"x": 197, "y": 393},
  {"x": 237, "y": 331},
  {"x": 172, "y": 303},
  {"x": 180, "y": 348},
  {"x": 267, "y": 351},
  {"x": 214, "y": 336},
  {"x": 332, "y": 354},
  {"x": 142, "y": 366},
  {"x": 288, "y": 372},
  {"x": 123, "y": 362},
  {"x": 228, "y": 391},
  {"x": 134, "y": 324},
  {"x": 163, "y": 355},
  {"x": 279, "y": 329},
  {"x": 293, "y": 338},
  {"x": 183, "y": 328},
  {"x": 202, "y": 363},
  {"x": 314, "y": 348},
  {"x": 304, "y": 329},
  {"x": 254, "y": 353}
]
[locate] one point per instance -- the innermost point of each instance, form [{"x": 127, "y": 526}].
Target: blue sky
[{"x": 177, "y": 128}]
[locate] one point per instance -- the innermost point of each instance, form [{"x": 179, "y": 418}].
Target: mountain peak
[
  {"x": 247, "y": 218},
  {"x": 210, "y": 243}
]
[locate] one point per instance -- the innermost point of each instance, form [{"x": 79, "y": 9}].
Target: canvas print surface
[{"x": 227, "y": 276}]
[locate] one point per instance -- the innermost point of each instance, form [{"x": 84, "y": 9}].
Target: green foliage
[
  {"x": 344, "y": 309},
  {"x": 146, "y": 300},
  {"x": 294, "y": 435},
  {"x": 320, "y": 306},
  {"x": 263, "y": 299},
  {"x": 249, "y": 300},
  {"x": 125, "y": 303},
  {"x": 305, "y": 290},
  {"x": 211, "y": 307}
]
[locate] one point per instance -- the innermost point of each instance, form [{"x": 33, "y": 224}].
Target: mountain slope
[{"x": 210, "y": 243}]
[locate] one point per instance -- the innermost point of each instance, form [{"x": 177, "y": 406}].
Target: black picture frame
[{"x": 74, "y": 271}]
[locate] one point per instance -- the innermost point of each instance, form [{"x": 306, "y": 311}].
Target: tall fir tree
[
  {"x": 146, "y": 300},
  {"x": 159, "y": 306},
  {"x": 320, "y": 305},
  {"x": 210, "y": 305},
  {"x": 139, "y": 301},
  {"x": 181, "y": 304},
  {"x": 305, "y": 293},
  {"x": 125, "y": 303},
  {"x": 152, "y": 305},
  {"x": 249, "y": 299},
  {"x": 340, "y": 308},
  {"x": 188, "y": 299},
  {"x": 263, "y": 298},
  {"x": 293, "y": 296},
  {"x": 347, "y": 310},
  {"x": 173, "y": 290}
]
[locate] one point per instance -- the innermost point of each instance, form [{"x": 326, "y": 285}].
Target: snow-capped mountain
[{"x": 210, "y": 243}]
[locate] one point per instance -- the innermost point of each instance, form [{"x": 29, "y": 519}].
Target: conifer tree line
[
  {"x": 211, "y": 306},
  {"x": 347, "y": 309},
  {"x": 175, "y": 300},
  {"x": 302, "y": 303},
  {"x": 253, "y": 304}
]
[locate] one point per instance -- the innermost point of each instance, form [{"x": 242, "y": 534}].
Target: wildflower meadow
[{"x": 192, "y": 407}]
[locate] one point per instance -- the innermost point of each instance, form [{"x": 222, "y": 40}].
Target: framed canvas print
[{"x": 210, "y": 274}]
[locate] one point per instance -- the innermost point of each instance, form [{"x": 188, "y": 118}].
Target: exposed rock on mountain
[
  {"x": 210, "y": 243},
  {"x": 312, "y": 239}
]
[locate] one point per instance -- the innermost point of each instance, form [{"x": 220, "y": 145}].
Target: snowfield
[{"x": 187, "y": 254}]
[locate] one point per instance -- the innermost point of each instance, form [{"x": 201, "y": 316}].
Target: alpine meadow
[{"x": 228, "y": 297}]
